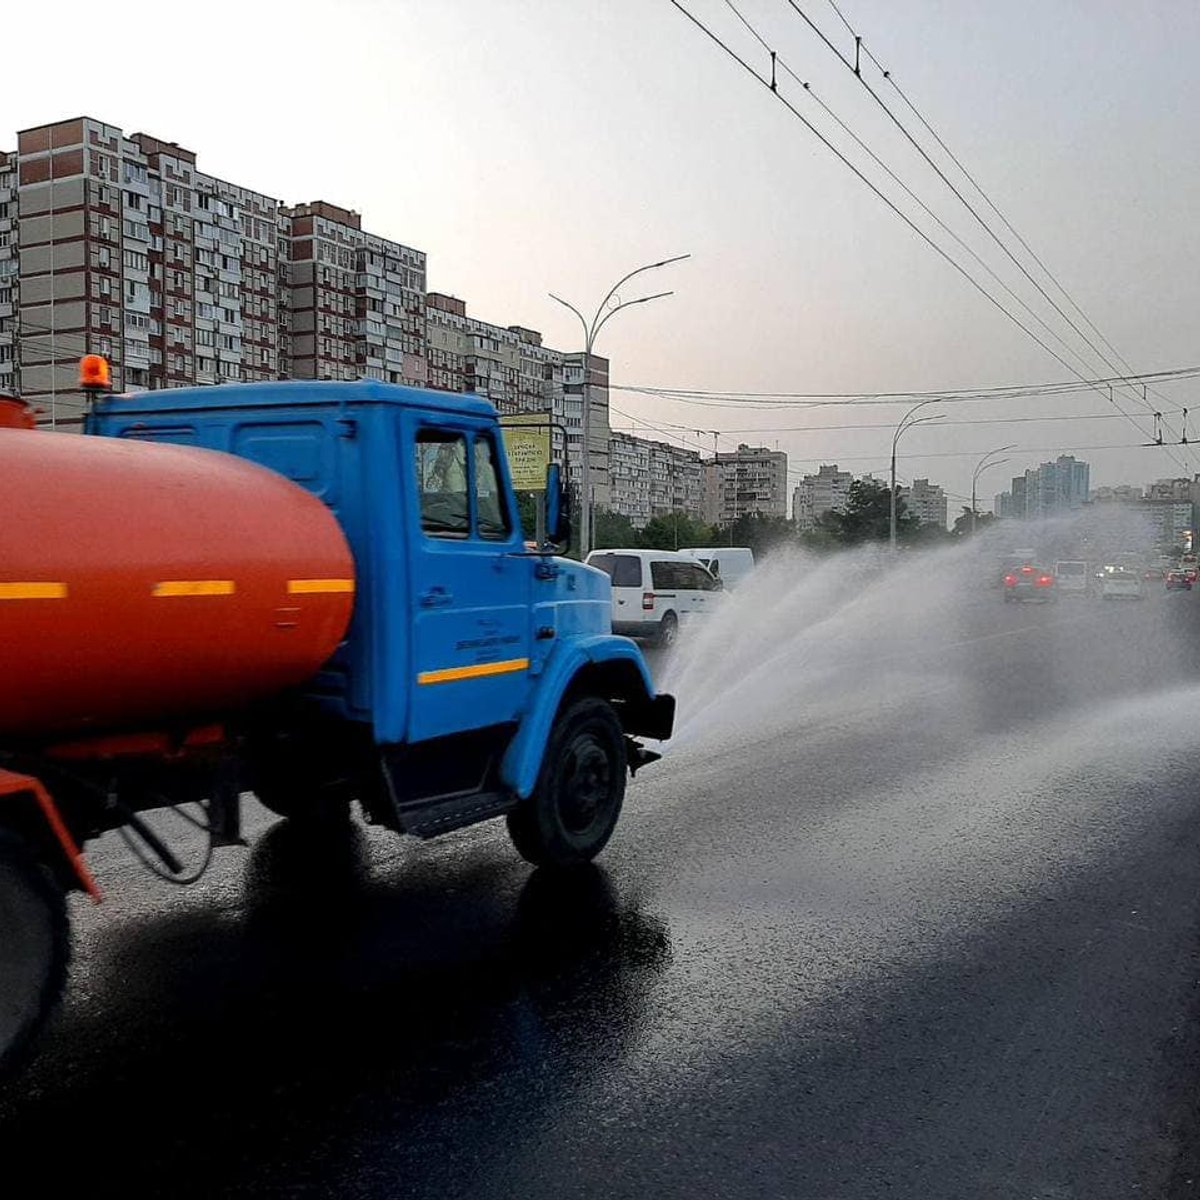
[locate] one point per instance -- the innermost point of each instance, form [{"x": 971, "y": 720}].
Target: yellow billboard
[{"x": 527, "y": 445}]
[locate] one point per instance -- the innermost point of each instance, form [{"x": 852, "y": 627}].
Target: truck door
[{"x": 471, "y": 586}]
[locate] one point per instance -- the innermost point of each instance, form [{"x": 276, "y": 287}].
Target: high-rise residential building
[
  {"x": 649, "y": 478},
  {"x": 127, "y": 249},
  {"x": 356, "y": 301},
  {"x": 926, "y": 501},
  {"x": 1052, "y": 489},
  {"x": 750, "y": 481},
  {"x": 815, "y": 495},
  {"x": 9, "y": 277},
  {"x": 510, "y": 366},
  {"x": 629, "y": 477}
]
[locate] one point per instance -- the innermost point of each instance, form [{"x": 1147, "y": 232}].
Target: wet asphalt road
[{"x": 928, "y": 931}]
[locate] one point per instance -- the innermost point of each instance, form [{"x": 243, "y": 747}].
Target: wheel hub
[{"x": 586, "y": 783}]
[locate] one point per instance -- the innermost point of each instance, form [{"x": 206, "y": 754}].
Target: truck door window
[
  {"x": 442, "y": 483},
  {"x": 491, "y": 520}
]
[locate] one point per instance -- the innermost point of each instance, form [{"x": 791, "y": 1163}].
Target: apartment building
[
  {"x": 926, "y": 501},
  {"x": 120, "y": 245},
  {"x": 9, "y": 277},
  {"x": 1052, "y": 489},
  {"x": 649, "y": 478},
  {"x": 128, "y": 250},
  {"x": 355, "y": 301},
  {"x": 751, "y": 481},
  {"x": 510, "y": 366},
  {"x": 815, "y": 495}
]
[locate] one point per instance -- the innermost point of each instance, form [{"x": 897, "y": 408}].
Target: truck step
[{"x": 441, "y": 814}]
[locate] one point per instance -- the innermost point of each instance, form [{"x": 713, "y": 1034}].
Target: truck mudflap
[{"x": 653, "y": 717}]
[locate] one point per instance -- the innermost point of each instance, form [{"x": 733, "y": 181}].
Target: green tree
[
  {"x": 866, "y": 517},
  {"x": 761, "y": 533},
  {"x": 962, "y": 523},
  {"x": 613, "y": 529},
  {"x": 669, "y": 531},
  {"x": 527, "y": 506}
]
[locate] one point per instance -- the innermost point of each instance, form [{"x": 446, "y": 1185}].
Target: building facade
[
  {"x": 1050, "y": 490},
  {"x": 815, "y": 495},
  {"x": 926, "y": 501},
  {"x": 10, "y": 283},
  {"x": 750, "y": 481},
  {"x": 650, "y": 479}
]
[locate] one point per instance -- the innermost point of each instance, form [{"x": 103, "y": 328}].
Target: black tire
[
  {"x": 668, "y": 631},
  {"x": 575, "y": 805},
  {"x": 35, "y": 945}
]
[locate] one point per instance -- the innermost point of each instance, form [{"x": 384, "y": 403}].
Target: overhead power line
[
  {"x": 771, "y": 85},
  {"x": 741, "y": 431},
  {"x": 1055, "y": 282}
]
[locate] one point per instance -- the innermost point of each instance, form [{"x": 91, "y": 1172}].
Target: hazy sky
[{"x": 538, "y": 145}]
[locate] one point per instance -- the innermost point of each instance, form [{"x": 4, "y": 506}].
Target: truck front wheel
[
  {"x": 573, "y": 810},
  {"x": 34, "y": 947}
]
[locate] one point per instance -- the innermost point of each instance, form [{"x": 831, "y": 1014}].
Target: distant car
[
  {"x": 1178, "y": 581},
  {"x": 1154, "y": 574},
  {"x": 1029, "y": 583},
  {"x": 1071, "y": 578},
  {"x": 1120, "y": 585}
]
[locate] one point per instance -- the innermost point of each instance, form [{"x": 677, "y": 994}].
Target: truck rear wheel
[
  {"x": 34, "y": 947},
  {"x": 573, "y": 810}
]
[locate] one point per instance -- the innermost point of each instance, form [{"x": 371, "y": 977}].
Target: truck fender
[
  {"x": 605, "y": 665},
  {"x": 15, "y": 786}
]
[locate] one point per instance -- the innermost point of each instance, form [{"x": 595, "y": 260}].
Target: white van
[
  {"x": 730, "y": 564},
  {"x": 1071, "y": 577},
  {"x": 655, "y": 591}
]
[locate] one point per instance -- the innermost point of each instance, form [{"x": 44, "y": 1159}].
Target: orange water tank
[
  {"x": 141, "y": 583},
  {"x": 15, "y": 413}
]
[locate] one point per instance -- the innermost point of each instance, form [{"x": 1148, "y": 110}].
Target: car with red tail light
[{"x": 1029, "y": 582}]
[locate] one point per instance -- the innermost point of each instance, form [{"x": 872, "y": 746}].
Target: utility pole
[{"x": 609, "y": 307}]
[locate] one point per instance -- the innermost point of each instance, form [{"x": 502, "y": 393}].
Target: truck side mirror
[{"x": 557, "y": 509}]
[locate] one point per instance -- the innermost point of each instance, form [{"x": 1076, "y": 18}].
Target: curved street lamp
[
  {"x": 984, "y": 465},
  {"x": 591, "y": 329},
  {"x": 907, "y": 422}
]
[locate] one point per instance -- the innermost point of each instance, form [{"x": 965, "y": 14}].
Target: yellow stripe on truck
[
  {"x": 452, "y": 674},
  {"x": 194, "y": 587},
  {"x": 33, "y": 591},
  {"x": 308, "y": 587}
]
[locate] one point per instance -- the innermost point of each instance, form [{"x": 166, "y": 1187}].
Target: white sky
[{"x": 538, "y": 145}]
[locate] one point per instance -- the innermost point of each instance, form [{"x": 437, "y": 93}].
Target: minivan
[
  {"x": 730, "y": 564},
  {"x": 654, "y": 592},
  {"x": 1072, "y": 578}
]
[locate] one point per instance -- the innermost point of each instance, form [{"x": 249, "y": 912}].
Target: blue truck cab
[{"x": 478, "y": 677}]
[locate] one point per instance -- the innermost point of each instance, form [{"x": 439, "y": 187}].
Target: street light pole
[
  {"x": 984, "y": 465},
  {"x": 906, "y": 423},
  {"x": 590, "y": 331}
]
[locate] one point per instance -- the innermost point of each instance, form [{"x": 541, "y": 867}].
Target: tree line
[{"x": 865, "y": 519}]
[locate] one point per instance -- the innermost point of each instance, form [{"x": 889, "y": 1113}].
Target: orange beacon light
[{"x": 94, "y": 373}]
